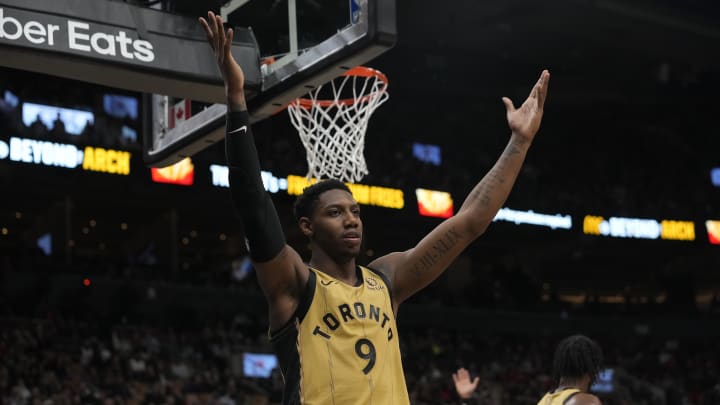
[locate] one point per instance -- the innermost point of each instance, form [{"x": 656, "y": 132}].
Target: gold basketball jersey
[
  {"x": 559, "y": 397},
  {"x": 341, "y": 346}
]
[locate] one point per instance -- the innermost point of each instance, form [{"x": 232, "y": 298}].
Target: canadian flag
[{"x": 179, "y": 113}]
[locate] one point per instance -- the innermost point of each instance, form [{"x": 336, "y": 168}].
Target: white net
[{"x": 332, "y": 122}]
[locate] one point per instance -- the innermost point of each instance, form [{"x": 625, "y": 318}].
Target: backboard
[{"x": 301, "y": 44}]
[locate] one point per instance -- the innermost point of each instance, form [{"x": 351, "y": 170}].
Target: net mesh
[{"x": 332, "y": 121}]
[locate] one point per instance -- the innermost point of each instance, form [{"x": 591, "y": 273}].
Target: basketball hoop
[{"x": 332, "y": 121}]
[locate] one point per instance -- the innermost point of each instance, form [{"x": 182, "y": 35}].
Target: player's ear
[{"x": 306, "y": 226}]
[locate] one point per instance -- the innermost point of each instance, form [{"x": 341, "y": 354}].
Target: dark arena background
[{"x": 125, "y": 285}]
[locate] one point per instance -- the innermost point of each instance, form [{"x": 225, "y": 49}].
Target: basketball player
[
  {"x": 332, "y": 322},
  {"x": 576, "y": 365}
]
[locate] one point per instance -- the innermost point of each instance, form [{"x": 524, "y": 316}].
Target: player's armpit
[{"x": 283, "y": 280}]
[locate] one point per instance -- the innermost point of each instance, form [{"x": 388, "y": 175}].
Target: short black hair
[
  {"x": 576, "y": 356},
  {"x": 305, "y": 203}
]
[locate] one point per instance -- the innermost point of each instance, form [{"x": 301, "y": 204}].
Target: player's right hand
[{"x": 221, "y": 43}]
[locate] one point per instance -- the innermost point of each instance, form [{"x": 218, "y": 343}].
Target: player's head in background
[
  {"x": 577, "y": 362},
  {"x": 328, "y": 214}
]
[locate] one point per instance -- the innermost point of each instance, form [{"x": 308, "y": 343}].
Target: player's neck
[{"x": 343, "y": 270}]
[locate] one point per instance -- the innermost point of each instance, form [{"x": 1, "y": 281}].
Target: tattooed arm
[{"x": 412, "y": 270}]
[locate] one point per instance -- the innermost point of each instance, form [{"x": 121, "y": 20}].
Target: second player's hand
[
  {"x": 221, "y": 43},
  {"x": 463, "y": 385}
]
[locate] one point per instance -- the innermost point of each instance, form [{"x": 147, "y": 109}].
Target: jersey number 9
[{"x": 366, "y": 350}]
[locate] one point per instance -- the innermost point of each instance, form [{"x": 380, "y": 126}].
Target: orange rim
[{"x": 360, "y": 71}]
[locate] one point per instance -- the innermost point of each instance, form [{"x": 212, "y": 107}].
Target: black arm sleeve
[{"x": 253, "y": 204}]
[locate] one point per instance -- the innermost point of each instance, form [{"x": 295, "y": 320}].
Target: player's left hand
[{"x": 525, "y": 121}]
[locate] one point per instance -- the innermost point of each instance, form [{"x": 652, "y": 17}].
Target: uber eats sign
[
  {"x": 120, "y": 45},
  {"x": 76, "y": 35}
]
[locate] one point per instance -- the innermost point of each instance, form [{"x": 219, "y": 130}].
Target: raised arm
[
  {"x": 414, "y": 269},
  {"x": 281, "y": 272}
]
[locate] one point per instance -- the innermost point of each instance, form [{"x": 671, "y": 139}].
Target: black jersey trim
[{"x": 300, "y": 311}]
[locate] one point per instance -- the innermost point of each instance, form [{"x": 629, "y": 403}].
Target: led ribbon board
[
  {"x": 533, "y": 218},
  {"x": 639, "y": 228},
  {"x": 69, "y": 156},
  {"x": 385, "y": 197}
]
